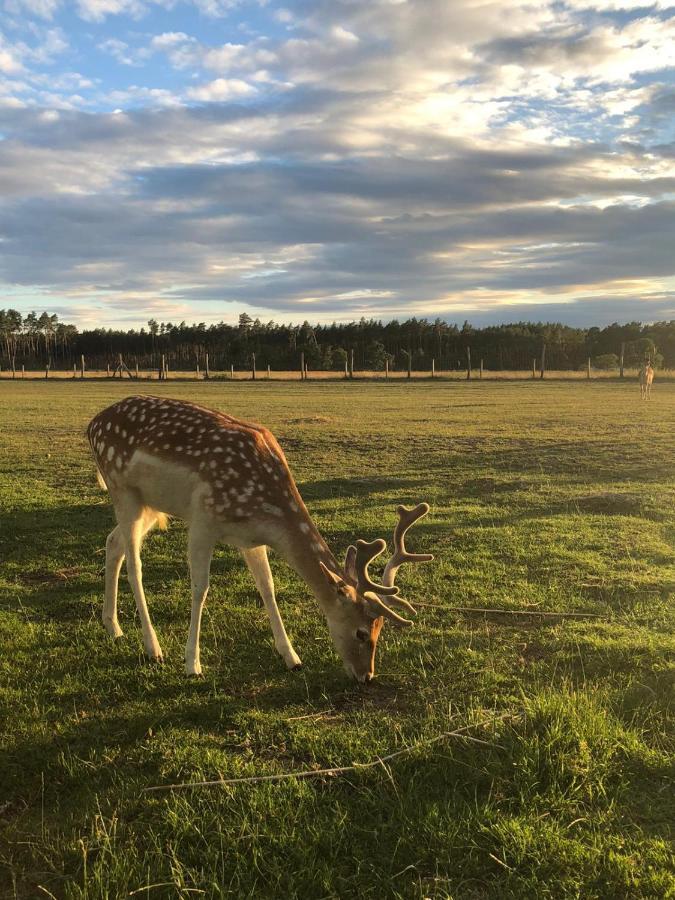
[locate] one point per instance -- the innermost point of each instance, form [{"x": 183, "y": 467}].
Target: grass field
[{"x": 550, "y": 496}]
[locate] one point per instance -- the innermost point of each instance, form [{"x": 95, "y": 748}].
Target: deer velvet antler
[
  {"x": 406, "y": 518},
  {"x": 365, "y": 554}
]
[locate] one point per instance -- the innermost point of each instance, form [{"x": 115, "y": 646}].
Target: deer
[
  {"x": 646, "y": 377},
  {"x": 230, "y": 482}
]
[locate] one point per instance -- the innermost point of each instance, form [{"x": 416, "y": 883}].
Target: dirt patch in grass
[
  {"x": 311, "y": 420},
  {"x": 610, "y": 503},
  {"x": 49, "y": 576},
  {"x": 478, "y": 487}
]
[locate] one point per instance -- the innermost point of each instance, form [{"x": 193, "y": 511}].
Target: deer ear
[
  {"x": 350, "y": 563},
  {"x": 332, "y": 577}
]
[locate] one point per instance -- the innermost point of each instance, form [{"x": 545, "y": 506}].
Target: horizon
[
  {"x": 339, "y": 323},
  {"x": 331, "y": 161}
]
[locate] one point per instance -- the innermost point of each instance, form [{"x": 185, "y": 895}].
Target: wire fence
[{"x": 232, "y": 374}]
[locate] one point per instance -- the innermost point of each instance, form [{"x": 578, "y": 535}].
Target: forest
[{"x": 36, "y": 341}]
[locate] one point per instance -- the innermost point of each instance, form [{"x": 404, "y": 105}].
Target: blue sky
[{"x": 325, "y": 160}]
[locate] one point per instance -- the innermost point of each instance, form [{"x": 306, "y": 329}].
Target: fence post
[
  {"x": 543, "y": 360},
  {"x": 480, "y": 370},
  {"x": 268, "y": 371},
  {"x": 386, "y": 368},
  {"x": 107, "y": 368},
  {"x": 197, "y": 371},
  {"x": 351, "y": 363},
  {"x": 47, "y": 371},
  {"x": 23, "y": 371},
  {"x": 623, "y": 348},
  {"x": 82, "y": 365},
  {"x": 136, "y": 368},
  {"x": 302, "y": 366},
  {"x": 166, "y": 371},
  {"x": 534, "y": 368},
  {"x": 346, "y": 369},
  {"x": 588, "y": 368},
  {"x": 161, "y": 368},
  {"x": 433, "y": 368},
  {"x": 468, "y": 363},
  {"x": 13, "y": 368},
  {"x": 410, "y": 364},
  {"x": 252, "y": 366},
  {"x": 232, "y": 371},
  {"x": 74, "y": 370},
  {"x": 206, "y": 367},
  {"x": 306, "y": 372}
]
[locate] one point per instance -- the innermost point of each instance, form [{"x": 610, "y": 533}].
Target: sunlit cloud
[{"x": 333, "y": 160}]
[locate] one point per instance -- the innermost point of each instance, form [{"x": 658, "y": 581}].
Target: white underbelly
[
  {"x": 165, "y": 486},
  {"x": 179, "y": 491}
]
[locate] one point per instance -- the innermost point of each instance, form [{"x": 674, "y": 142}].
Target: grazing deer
[
  {"x": 230, "y": 481},
  {"x": 646, "y": 377}
]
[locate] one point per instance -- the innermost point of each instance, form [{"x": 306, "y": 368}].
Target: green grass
[{"x": 555, "y": 496}]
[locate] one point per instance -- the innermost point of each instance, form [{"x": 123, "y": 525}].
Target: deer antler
[
  {"x": 364, "y": 555},
  {"x": 406, "y": 518},
  {"x": 359, "y": 558}
]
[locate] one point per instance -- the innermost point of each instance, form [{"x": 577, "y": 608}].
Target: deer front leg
[
  {"x": 114, "y": 557},
  {"x": 256, "y": 560},
  {"x": 200, "y": 555}
]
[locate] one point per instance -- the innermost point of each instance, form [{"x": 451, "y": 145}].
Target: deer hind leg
[
  {"x": 256, "y": 560},
  {"x": 200, "y": 549},
  {"x": 134, "y": 522},
  {"x": 114, "y": 557}
]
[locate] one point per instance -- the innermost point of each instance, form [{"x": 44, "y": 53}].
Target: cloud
[
  {"x": 43, "y": 9},
  {"x": 98, "y": 10},
  {"x": 340, "y": 158},
  {"x": 600, "y": 53},
  {"x": 121, "y": 51},
  {"x": 221, "y": 89},
  {"x": 9, "y": 64},
  {"x": 112, "y": 211}
]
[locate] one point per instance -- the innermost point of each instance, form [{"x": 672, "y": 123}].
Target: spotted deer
[
  {"x": 646, "y": 377},
  {"x": 229, "y": 480}
]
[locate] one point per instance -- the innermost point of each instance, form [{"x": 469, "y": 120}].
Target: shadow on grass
[
  {"x": 603, "y": 460},
  {"x": 116, "y": 714}
]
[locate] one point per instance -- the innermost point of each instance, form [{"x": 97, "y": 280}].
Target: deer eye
[{"x": 362, "y": 634}]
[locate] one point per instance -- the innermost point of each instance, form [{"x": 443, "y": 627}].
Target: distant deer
[
  {"x": 230, "y": 481},
  {"x": 646, "y": 378}
]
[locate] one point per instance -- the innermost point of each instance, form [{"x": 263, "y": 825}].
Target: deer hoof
[{"x": 113, "y": 629}]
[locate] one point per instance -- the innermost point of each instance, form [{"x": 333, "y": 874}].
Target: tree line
[{"x": 38, "y": 340}]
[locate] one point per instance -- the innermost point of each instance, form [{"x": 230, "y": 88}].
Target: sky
[{"x": 331, "y": 159}]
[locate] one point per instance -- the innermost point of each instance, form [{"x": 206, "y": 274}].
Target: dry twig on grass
[
  {"x": 337, "y": 770},
  {"x": 510, "y": 612},
  {"x": 315, "y": 715}
]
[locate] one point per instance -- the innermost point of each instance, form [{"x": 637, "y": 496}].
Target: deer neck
[{"x": 304, "y": 549}]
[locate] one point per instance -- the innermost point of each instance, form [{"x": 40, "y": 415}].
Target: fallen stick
[
  {"x": 511, "y": 612},
  {"x": 314, "y": 715},
  {"x": 335, "y": 770}
]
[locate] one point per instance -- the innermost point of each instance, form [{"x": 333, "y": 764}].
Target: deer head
[{"x": 365, "y": 604}]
